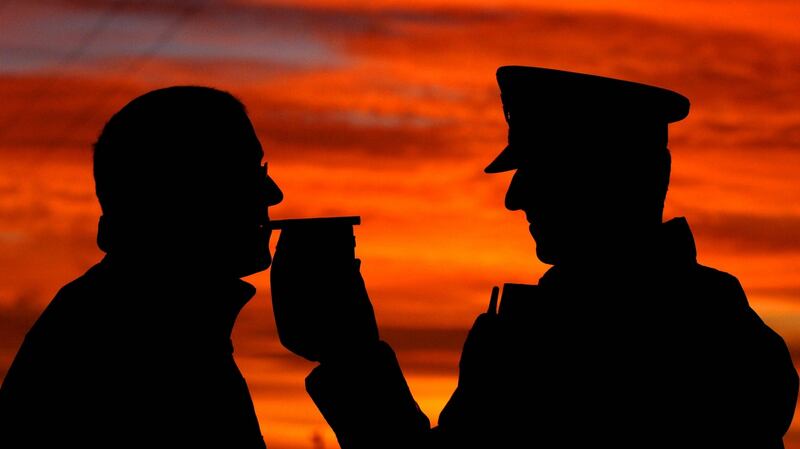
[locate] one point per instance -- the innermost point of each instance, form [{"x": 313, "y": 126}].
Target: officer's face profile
[
  {"x": 591, "y": 159},
  {"x": 553, "y": 208},
  {"x": 582, "y": 196},
  {"x": 562, "y": 191}
]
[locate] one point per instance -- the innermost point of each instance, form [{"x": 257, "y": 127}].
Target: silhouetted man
[
  {"x": 626, "y": 342},
  {"x": 137, "y": 351}
]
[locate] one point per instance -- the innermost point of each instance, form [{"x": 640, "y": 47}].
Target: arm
[
  {"x": 757, "y": 383},
  {"x": 368, "y": 404},
  {"x": 323, "y": 313},
  {"x": 366, "y": 401}
]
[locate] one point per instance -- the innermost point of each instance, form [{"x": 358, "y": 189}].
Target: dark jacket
[
  {"x": 121, "y": 356},
  {"x": 661, "y": 352}
]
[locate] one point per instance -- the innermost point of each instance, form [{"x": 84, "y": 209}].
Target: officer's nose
[{"x": 514, "y": 193}]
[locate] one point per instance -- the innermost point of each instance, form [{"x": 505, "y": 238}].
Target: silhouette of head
[
  {"x": 179, "y": 178},
  {"x": 591, "y": 159}
]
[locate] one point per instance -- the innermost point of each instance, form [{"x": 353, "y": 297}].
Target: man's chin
[
  {"x": 256, "y": 265},
  {"x": 258, "y": 261},
  {"x": 264, "y": 263}
]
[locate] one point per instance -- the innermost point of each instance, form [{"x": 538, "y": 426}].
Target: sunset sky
[{"x": 390, "y": 110}]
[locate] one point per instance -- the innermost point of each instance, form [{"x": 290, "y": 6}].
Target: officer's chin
[
  {"x": 545, "y": 255},
  {"x": 545, "y": 251}
]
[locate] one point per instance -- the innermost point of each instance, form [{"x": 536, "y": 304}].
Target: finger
[{"x": 493, "y": 301}]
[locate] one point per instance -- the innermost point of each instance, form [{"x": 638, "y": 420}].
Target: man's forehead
[
  {"x": 239, "y": 140},
  {"x": 251, "y": 137}
]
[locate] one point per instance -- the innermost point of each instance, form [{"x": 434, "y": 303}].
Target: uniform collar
[{"x": 672, "y": 247}]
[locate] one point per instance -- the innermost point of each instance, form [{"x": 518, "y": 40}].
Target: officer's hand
[
  {"x": 322, "y": 309},
  {"x": 479, "y": 358}
]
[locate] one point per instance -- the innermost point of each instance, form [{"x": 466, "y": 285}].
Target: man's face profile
[
  {"x": 180, "y": 178},
  {"x": 237, "y": 213}
]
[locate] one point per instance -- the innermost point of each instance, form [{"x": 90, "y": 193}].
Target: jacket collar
[
  {"x": 184, "y": 301},
  {"x": 672, "y": 247}
]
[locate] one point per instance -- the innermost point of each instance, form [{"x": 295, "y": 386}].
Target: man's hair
[{"x": 146, "y": 147}]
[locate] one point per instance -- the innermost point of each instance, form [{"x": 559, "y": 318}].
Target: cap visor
[{"x": 503, "y": 162}]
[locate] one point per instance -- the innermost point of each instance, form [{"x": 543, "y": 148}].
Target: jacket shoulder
[
  {"x": 69, "y": 307},
  {"x": 724, "y": 301},
  {"x": 718, "y": 286}
]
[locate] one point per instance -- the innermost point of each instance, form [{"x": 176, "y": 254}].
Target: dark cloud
[
  {"x": 719, "y": 70},
  {"x": 420, "y": 350},
  {"x": 749, "y": 233},
  {"x": 344, "y": 139},
  {"x": 789, "y": 292},
  {"x": 759, "y": 134}
]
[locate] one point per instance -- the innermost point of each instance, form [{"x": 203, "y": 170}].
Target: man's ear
[{"x": 104, "y": 234}]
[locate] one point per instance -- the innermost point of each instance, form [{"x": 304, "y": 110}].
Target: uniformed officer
[{"x": 625, "y": 342}]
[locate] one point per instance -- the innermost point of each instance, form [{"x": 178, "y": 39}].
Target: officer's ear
[{"x": 104, "y": 234}]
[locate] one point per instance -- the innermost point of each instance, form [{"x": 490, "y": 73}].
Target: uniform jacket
[{"x": 656, "y": 352}]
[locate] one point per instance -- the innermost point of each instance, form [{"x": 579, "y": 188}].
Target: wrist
[{"x": 355, "y": 353}]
